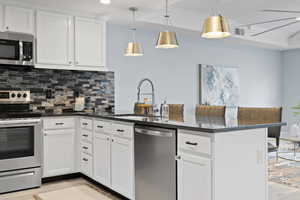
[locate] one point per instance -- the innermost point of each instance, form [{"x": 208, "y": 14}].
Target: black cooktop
[{"x": 8, "y": 115}]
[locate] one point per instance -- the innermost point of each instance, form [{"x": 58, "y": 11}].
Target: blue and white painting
[{"x": 219, "y": 86}]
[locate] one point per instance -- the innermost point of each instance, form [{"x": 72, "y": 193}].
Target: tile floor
[{"x": 276, "y": 191}]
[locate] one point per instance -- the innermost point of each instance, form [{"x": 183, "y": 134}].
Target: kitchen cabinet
[
  {"x": 213, "y": 166},
  {"x": 194, "y": 178},
  {"x": 89, "y": 42},
  {"x": 58, "y": 152},
  {"x": 102, "y": 159},
  {"x": 59, "y": 144},
  {"x": 113, "y": 156},
  {"x": 122, "y": 166},
  {"x": 17, "y": 19},
  {"x": 54, "y": 33},
  {"x": 86, "y": 146}
]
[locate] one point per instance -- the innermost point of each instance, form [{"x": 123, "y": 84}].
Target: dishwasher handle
[{"x": 154, "y": 132}]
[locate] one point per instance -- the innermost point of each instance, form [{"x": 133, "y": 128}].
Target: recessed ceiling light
[
  {"x": 105, "y": 1},
  {"x": 297, "y": 18}
]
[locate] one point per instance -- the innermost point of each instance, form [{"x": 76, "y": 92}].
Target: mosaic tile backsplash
[{"x": 62, "y": 85}]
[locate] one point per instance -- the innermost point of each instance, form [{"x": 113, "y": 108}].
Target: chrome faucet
[{"x": 139, "y": 90}]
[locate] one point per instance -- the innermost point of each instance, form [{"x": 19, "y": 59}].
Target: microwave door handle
[{"x": 21, "y": 50}]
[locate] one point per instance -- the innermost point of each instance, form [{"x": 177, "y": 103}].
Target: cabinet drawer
[
  {"x": 86, "y": 123},
  {"x": 59, "y": 123},
  {"x": 86, "y": 135},
  {"x": 86, "y": 148},
  {"x": 122, "y": 130},
  {"x": 86, "y": 164},
  {"x": 194, "y": 143},
  {"x": 102, "y": 126}
]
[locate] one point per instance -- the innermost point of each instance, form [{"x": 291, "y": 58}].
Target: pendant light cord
[
  {"x": 133, "y": 28},
  {"x": 167, "y": 16}
]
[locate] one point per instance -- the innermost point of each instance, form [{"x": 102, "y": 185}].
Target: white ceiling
[{"x": 189, "y": 14}]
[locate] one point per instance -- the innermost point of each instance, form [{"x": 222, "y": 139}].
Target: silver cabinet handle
[
  {"x": 85, "y": 148},
  {"x": 84, "y": 124},
  {"x": 85, "y": 159},
  {"x": 84, "y": 135},
  {"x": 120, "y": 130},
  {"x": 59, "y": 123},
  {"x": 99, "y": 126}
]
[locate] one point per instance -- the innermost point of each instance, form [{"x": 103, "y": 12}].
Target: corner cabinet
[
  {"x": 17, "y": 19},
  {"x": 89, "y": 42}
]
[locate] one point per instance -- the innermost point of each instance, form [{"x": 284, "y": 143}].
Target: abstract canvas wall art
[{"x": 219, "y": 86}]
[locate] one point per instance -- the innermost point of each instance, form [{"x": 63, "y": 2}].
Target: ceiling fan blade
[
  {"x": 281, "y": 11},
  {"x": 270, "y": 21},
  {"x": 275, "y": 28},
  {"x": 294, "y": 34}
]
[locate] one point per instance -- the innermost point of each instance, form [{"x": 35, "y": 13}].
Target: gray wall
[
  {"x": 175, "y": 71},
  {"x": 291, "y": 88}
]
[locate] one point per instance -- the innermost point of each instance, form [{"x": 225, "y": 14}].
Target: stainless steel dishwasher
[{"x": 155, "y": 164}]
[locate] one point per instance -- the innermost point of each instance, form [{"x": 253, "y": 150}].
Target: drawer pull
[
  {"x": 84, "y": 135},
  {"x": 99, "y": 126},
  {"x": 59, "y": 123},
  {"x": 120, "y": 130},
  {"x": 85, "y": 124},
  {"x": 177, "y": 157},
  {"x": 84, "y": 159},
  {"x": 191, "y": 143},
  {"x": 85, "y": 148}
]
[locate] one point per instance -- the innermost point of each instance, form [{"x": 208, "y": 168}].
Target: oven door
[
  {"x": 10, "y": 51},
  {"x": 20, "y": 144}
]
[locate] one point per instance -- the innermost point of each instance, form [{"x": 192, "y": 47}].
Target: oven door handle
[
  {"x": 17, "y": 175},
  {"x": 20, "y": 122}
]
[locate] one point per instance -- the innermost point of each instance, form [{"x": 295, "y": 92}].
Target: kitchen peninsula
[{"x": 214, "y": 158}]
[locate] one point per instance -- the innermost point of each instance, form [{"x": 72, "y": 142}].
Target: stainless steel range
[{"x": 20, "y": 142}]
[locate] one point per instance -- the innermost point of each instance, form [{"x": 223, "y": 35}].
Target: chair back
[
  {"x": 213, "y": 111},
  {"x": 176, "y": 112},
  {"x": 262, "y": 115}
]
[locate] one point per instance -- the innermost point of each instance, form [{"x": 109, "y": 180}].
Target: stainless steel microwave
[{"x": 16, "y": 49}]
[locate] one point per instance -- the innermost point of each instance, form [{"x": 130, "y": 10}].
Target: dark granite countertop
[{"x": 188, "y": 121}]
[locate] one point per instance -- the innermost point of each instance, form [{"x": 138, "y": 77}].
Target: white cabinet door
[
  {"x": 122, "y": 166},
  {"x": 18, "y": 19},
  {"x": 55, "y": 38},
  {"x": 194, "y": 178},
  {"x": 89, "y": 42},
  {"x": 59, "y": 153},
  {"x": 102, "y": 159}
]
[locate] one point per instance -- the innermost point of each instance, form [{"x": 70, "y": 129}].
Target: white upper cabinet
[
  {"x": 89, "y": 42},
  {"x": 54, "y": 38},
  {"x": 18, "y": 19}
]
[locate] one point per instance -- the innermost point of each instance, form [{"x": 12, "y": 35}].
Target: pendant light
[
  {"x": 216, "y": 27},
  {"x": 167, "y": 39},
  {"x": 133, "y": 48}
]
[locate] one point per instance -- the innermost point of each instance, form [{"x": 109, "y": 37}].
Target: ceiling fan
[{"x": 293, "y": 20}]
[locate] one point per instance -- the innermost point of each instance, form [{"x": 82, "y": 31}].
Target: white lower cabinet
[
  {"x": 194, "y": 178},
  {"x": 59, "y": 152},
  {"x": 86, "y": 164},
  {"x": 121, "y": 166},
  {"x": 102, "y": 159},
  {"x": 113, "y": 156}
]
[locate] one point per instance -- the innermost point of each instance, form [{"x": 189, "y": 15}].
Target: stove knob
[
  {"x": 19, "y": 95},
  {"x": 13, "y": 95},
  {"x": 24, "y": 95}
]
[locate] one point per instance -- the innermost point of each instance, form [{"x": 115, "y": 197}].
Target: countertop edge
[{"x": 174, "y": 126}]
